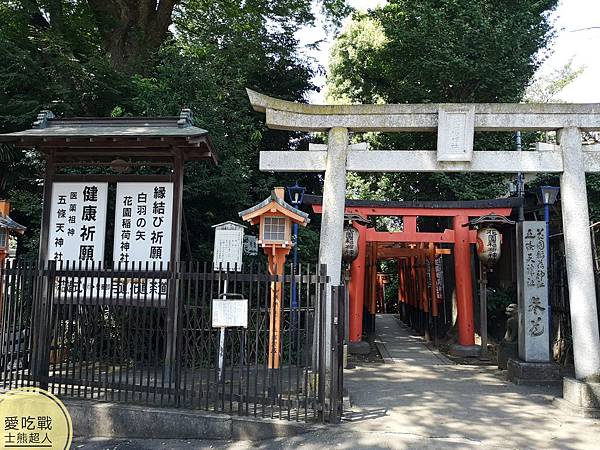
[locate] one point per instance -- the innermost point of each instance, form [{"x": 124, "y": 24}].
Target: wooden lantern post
[{"x": 275, "y": 218}]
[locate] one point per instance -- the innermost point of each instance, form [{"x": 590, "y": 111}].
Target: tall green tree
[{"x": 424, "y": 51}]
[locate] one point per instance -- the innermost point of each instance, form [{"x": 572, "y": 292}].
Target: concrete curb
[{"x": 116, "y": 420}]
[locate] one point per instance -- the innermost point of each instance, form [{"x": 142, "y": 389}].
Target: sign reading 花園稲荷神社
[
  {"x": 77, "y": 223},
  {"x": 143, "y": 224},
  {"x": 534, "y": 345}
]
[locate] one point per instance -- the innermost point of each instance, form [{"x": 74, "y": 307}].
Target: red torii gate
[{"x": 459, "y": 235}]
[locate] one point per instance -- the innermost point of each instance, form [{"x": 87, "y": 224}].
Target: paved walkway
[{"x": 420, "y": 400}]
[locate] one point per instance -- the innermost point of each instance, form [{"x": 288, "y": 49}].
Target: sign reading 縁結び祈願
[
  {"x": 143, "y": 224},
  {"x": 77, "y": 222},
  {"x": 533, "y": 300}
]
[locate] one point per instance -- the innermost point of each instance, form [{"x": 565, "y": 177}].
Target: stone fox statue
[{"x": 512, "y": 323}]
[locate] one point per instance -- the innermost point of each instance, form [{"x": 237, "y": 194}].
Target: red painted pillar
[
  {"x": 357, "y": 286},
  {"x": 464, "y": 283}
]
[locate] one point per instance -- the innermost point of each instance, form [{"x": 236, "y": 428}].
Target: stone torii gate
[{"x": 455, "y": 125}]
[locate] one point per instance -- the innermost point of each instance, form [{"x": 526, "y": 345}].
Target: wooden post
[
  {"x": 357, "y": 286},
  {"x": 276, "y": 267},
  {"x": 464, "y": 285}
]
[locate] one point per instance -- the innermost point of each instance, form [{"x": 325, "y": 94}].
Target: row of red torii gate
[{"x": 414, "y": 250}]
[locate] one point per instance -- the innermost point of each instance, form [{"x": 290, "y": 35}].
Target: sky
[{"x": 573, "y": 41}]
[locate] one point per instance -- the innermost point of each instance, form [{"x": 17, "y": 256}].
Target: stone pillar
[
  {"x": 464, "y": 289},
  {"x": 357, "y": 286},
  {"x": 578, "y": 254},
  {"x": 332, "y": 220}
]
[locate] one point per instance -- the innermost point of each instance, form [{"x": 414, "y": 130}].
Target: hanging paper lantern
[
  {"x": 350, "y": 250},
  {"x": 489, "y": 241}
]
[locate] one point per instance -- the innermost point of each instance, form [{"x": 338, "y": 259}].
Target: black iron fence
[{"x": 143, "y": 334}]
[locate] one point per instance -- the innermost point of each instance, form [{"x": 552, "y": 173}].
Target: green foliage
[
  {"x": 438, "y": 51},
  {"x": 60, "y": 55}
]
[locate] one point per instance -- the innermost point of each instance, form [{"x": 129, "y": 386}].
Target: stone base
[
  {"x": 506, "y": 351},
  {"x": 580, "y": 398},
  {"x": 465, "y": 351},
  {"x": 359, "y": 348},
  {"x": 534, "y": 373}
]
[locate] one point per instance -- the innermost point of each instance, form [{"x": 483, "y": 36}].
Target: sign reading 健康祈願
[{"x": 77, "y": 223}]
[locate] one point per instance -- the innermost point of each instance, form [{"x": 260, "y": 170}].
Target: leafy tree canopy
[
  {"x": 101, "y": 58},
  {"x": 423, "y": 51}
]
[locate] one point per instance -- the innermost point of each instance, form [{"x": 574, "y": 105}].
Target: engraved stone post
[{"x": 534, "y": 332}]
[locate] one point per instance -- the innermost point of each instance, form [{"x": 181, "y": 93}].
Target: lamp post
[
  {"x": 547, "y": 196},
  {"x": 296, "y": 195}
]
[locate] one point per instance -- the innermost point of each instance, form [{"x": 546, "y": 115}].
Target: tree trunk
[{"x": 132, "y": 29}]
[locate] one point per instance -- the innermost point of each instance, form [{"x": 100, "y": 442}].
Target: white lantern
[
  {"x": 489, "y": 241},
  {"x": 350, "y": 250}
]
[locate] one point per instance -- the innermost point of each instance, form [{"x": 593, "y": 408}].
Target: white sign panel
[
  {"x": 229, "y": 313},
  {"x": 143, "y": 223},
  {"x": 228, "y": 249},
  {"x": 77, "y": 222},
  {"x": 456, "y": 129},
  {"x": 250, "y": 245},
  {"x": 533, "y": 299}
]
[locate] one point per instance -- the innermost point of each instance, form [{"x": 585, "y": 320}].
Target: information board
[
  {"x": 228, "y": 249},
  {"x": 229, "y": 313},
  {"x": 143, "y": 223},
  {"x": 77, "y": 222}
]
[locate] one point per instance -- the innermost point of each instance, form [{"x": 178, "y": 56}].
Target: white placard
[
  {"x": 228, "y": 249},
  {"x": 77, "y": 222},
  {"x": 456, "y": 130},
  {"x": 143, "y": 224},
  {"x": 229, "y": 313},
  {"x": 534, "y": 343},
  {"x": 250, "y": 245}
]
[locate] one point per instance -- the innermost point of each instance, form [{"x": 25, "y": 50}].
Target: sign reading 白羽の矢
[
  {"x": 143, "y": 224},
  {"x": 77, "y": 223}
]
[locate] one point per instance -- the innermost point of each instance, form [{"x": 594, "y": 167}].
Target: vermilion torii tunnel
[{"x": 414, "y": 249}]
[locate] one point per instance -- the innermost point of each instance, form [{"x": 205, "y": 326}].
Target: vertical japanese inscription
[
  {"x": 143, "y": 223},
  {"x": 534, "y": 331},
  {"x": 77, "y": 222}
]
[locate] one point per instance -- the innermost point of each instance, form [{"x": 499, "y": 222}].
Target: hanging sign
[
  {"x": 143, "y": 224},
  {"x": 77, "y": 222},
  {"x": 229, "y": 312},
  {"x": 229, "y": 244},
  {"x": 250, "y": 246}
]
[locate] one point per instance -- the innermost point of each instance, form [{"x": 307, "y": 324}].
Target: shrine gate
[
  {"x": 374, "y": 245},
  {"x": 455, "y": 125}
]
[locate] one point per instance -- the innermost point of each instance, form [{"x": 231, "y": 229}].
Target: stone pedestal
[
  {"x": 544, "y": 373},
  {"x": 580, "y": 398},
  {"x": 359, "y": 348},
  {"x": 465, "y": 351},
  {"x": 506, "y": 351}
]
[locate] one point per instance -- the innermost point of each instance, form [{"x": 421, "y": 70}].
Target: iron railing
[{"x": 143, "y": 334}]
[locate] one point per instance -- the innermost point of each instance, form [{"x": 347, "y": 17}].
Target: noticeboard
[{"x": 229, "y": 312}]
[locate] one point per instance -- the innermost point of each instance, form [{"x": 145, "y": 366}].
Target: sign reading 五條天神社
[
  {"x": 77, "y": 222},
  {"x": 143, "y": 223},
  {"x": 534, "y": 343}
]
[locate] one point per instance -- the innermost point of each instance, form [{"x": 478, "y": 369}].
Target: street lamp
[
  {"x": 296, "y": 195},
  {"x": 547, "y": 196}
]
